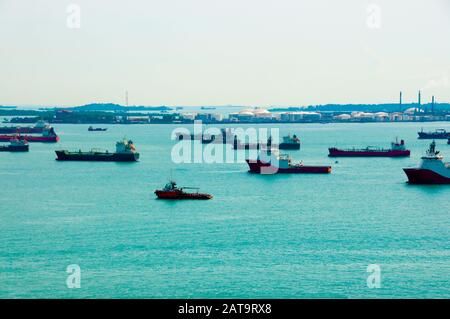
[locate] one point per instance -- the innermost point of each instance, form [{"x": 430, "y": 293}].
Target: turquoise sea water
[{"x": 281, "y": 236}]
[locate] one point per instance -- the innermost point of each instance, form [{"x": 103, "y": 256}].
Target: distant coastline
[
  {"x": 111, "y": 107},
  {"x": 383, "y": 107},
  {"x": 110, "y": 113}
]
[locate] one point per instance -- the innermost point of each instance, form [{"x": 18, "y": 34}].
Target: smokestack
[
  {"x": 432, "y": 105},
  {"x": 400, "y": 101},
  {"x": 418, "y": 102}
]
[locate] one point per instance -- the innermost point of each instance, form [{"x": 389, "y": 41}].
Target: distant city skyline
[{"x": 213, "y": 52}]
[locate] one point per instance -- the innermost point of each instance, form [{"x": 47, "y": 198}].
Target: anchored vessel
[
  {"x": 272, "y": 163},
  {"x": 39, "y": 127},
  {"x": 96, "y": 129},
  {"x": 125, "y": 152},
  {"x": 225, "y": 136},
  {"x": 288, "y": 143},
  {"x": 48, "y": 136},
  {"x": 396, "y": 150},
  {"x": 15, "y": 145},
  {"x": 432, "y": 169},
  {"x": 437, "y": 134},
  {"x": 171, "y": 191}
]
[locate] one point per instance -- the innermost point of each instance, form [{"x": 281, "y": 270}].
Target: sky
[{"x": 223, "y": 52}]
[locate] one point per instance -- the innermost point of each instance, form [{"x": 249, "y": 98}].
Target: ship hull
[
  {"x": 257, "y": 146},
  {"x": 433, "y": 136},
  {"x": 364, "y": 153},
  {"x": 23, "y": 148},
  {"x": 258, "y": 167},
  {"x": 21, "y": 130},
  {"x": 30, "y": 138},
  {"x": 179, "y": 195},
  {"x": 96, "y": 157},
  {"x": 289, "y": 146},
  {"x": 425, "y": 176}
]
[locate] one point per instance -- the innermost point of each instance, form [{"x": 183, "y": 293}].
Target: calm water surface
[{"x": 291, "y": 236}]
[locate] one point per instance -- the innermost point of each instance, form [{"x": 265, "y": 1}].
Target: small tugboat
[
  {"x": 271, "y": 163},
  {"x": 15, "y": 145},
  {"x": 39, "y": 127},
  {"x": 96, "y": 129},
  {"x": 125, "y": 152},
  {"x": 437, "y": 134},
  {"x": 396, "y": 150},
  {"x": 171, "y": 191},
  {"x": 48, "y": 136},
  {"x": 432, "y": 170}
]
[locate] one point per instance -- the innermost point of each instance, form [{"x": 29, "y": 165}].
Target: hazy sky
[{"x": 219, "y": 52}]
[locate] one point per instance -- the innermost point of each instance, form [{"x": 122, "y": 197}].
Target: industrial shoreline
[{"x": 109, "y": 113}]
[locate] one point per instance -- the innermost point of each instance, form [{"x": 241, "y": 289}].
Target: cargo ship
[
  {"x": 396, "y": 150},
  {"x": 15, "y": 145},
  {"x": 125, "y": 152},
  {"x": 171, "y": 191},
  {"x": 288, "y": 143},
  {"x": 48, "y": 136},
  {"x": 272, "y": 163},
  {"x": 39, "y": 127},
  {"x": 432, "y": 169},
  {"x": 437, "y": 134},
  {"x": 224, "y": 137},
  {"x": 96, "y": 129}
]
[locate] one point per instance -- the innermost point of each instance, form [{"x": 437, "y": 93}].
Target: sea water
[{"x": 271, "y": 236}]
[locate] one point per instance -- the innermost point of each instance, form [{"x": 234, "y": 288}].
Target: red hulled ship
[
  {"x": 40, "y": 127},
  {"x": 432, "y": 169},
  {"x": 396, "y": 150},
  {"x": 271, "y": 163},
  {"x": 48, "y": 136},
  {"x": 171, "y": 191}
]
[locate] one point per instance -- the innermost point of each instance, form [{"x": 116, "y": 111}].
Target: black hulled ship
[
  {"x": 437, "y": 134},
  {"x": 15, "y": 145},
  {"x": 125, "y": 152}
]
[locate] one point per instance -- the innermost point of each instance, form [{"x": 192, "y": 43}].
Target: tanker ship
[
  {"x": 15, "y": 145},
  {"x": 39, "y": 127},
  {"x": 125, "y": 152},
  {"x": 288, "y": 143},
  {"x": 271, "y": 163},
  {"x": 432, "y": 169},
  {"x": 48, "y": 136},
  {"x": 437, "y": 134},
  {"x": 96, "y": 129},
  {"x": 396, "y": 150}
]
